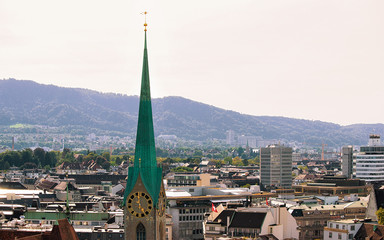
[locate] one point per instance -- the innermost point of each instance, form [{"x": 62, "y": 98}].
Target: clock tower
[{"x": 144, "y": 197}]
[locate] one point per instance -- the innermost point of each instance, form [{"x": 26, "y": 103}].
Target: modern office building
[
  {"x": 276, "y": 166},
  {"x": 347, "y": 161},
  {"x": 370, "y": 160}
]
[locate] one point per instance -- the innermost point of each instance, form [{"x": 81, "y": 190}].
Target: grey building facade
[
  {"x": 347, "y": 161},
  {"x": 276, "y": 167}
]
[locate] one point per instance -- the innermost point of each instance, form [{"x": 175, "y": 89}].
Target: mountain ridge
[{"x": 28, "y": 102}]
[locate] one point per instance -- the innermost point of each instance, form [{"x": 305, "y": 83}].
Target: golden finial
[{"x": 145, "y": 20}]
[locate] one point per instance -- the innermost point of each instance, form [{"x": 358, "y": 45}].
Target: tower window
[{"x": 140, "y": 232}]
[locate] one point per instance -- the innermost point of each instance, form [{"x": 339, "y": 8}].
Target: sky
[{"x": 307, "y": 59}]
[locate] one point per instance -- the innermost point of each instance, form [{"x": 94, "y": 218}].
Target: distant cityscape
[{"x": 76, "y": 164}]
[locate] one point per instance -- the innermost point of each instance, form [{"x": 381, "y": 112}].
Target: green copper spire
[{"x": 145, "y": 164}]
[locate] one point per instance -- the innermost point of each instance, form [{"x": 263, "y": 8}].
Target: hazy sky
[{"x": 317, "y": 60}]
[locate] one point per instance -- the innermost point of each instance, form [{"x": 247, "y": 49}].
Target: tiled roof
[
  {"x": 63, "y": 231},
  {"x": 247, "y": 220},
  {"x": 370, "y": 231}
]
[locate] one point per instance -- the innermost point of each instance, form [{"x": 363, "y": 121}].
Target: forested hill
[{"x": 28, "y": 102}]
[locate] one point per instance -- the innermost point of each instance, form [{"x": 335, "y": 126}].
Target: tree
[
  {"x": 26, "y": 155},
  {"x": 65, "y": 152},
  {"x": 237, "y": 161},
  {"x": 13, "y": 158},
  {"x": 245, "y": 162},
  {"x": 6, "y": 166},
  {"x": 51, "y": 158},
  {"x": 228, "y": 160},
  {"x": 182, "y": 169},
  {"x": 39, "y": 156},
  {"x": 106, "y": 155},
  {"x": 118, "y": 161},
  {"x": 380, "y": 215},
  {"x": 100, "y": 160},
  {"x": 29, "y": 165},
  {"x": 240, "y": 151}
]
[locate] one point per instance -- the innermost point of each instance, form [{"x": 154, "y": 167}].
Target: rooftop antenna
[{"x": 67, "y": 203}]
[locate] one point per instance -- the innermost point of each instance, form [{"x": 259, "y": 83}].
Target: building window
[
  {"x": 140, "y": 232},
  {"x": 339, "y": 236},
  {"x": 350, "y": 236},
  {"x": 330, "y": 234},
  {"x": 353, "y": 228}
]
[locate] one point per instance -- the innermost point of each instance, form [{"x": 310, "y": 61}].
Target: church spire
[{"x": 145, "y": 164}]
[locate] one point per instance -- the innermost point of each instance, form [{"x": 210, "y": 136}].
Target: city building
[
  {"x": 188, "y": 179},
  {"x": 276, "y": 167},
  {"x": 312, "y": 219},
  {"x": 188, "y": 205},
  {"x": 144, "y": 198},
  {"x": 347, "y": 161},
  {"x": 342, "y": 229},
  {"x": 255, "y": 222},
  {"x": 230, "y": 137},
  {"x": 370, "y": 230},
  {"x": 333, "y": 185},
  {"x": 62, "y": 231},
  {"x": 370, "y": 160}
]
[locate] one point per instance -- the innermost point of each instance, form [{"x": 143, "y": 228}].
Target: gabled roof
[
  {"x": 63, "y": 186},
  {"x": 46, "y": 184},
  {"x": 63, "y": 231},
  {"x": 240, "y": 219},
  {"x": 247, "y": 220},
  {"x": 370, "y": 231},
  {"x": 223, "y": 216}
]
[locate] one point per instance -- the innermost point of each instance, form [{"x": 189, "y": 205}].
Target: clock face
[
  {"x": 139, "y": 204},
  {"x": 161, "y": 203}
]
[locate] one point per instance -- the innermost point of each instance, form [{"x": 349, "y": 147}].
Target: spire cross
[{"x": 145, "y": 20}]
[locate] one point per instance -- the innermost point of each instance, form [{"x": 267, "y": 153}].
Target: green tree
[
  {"x": 237, "y": 161},
  {"x": 26, "y": 155},
  {"x": 245, "y": 162},
  {"x": 106, "y": 155},
  {"x": 118, "y": 161},
  {"x": 240, "y": 151},
  {"x": 39, "y": 156},
  {"x": 6, "y": 166},
  {"x": 182, "y": 169},
  {"x": 13, "y": 158},
  {"x": 380, "y": 215},
  {"x": 65, "y": 152},
  {"x": 51, "y": 158},
  {"x": 228, "y": 160}
]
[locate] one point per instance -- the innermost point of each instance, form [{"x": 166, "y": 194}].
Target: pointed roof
[{"x": 145, "y": 164}]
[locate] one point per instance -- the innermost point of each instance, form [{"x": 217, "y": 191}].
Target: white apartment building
[
  {"x": 341, "y": 230},
  {"x": 370, "y": 160}
]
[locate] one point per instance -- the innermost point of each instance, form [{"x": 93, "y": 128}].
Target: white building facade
[{"x": 370, "y": 160}]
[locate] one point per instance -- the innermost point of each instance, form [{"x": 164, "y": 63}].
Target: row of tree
[{"x": 28, "y": 159}]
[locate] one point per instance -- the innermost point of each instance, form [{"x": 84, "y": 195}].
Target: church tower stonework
[{"x": 144, "y": 198}]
